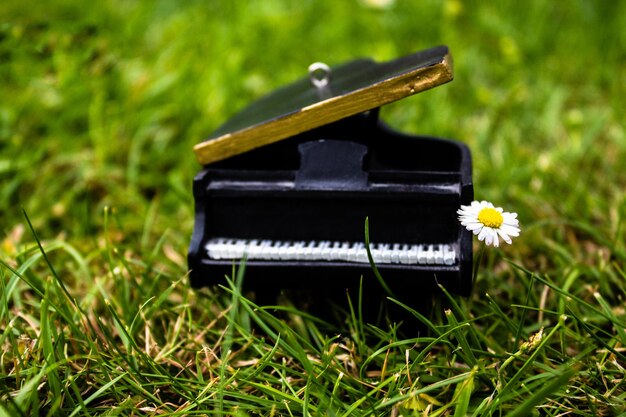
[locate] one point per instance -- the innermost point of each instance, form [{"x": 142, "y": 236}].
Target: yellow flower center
[{"x": 490, "y": 217}]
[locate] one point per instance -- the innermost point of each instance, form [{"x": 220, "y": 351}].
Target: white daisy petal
[
  {"x": 473, "y": 226},
  {"x": 495, "y": 240},
  {"x": 510, "y": 218},
  {"x": 510, "y": 215},
  {"x": 488, "y": 239},
  {"x": 504, "y": 236},
  {"x": 472, "y": 214},
  {"x": 483, "y": 233},
  {"x": 510, "y": 230}
]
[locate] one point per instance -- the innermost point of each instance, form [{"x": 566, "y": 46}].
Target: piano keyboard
[{"x": 383, "y": 253}]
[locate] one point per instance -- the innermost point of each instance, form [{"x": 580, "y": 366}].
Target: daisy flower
[{"x": 489, "y": 223}]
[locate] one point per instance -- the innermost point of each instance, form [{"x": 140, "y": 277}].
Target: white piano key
[
  {"x": 395, "y": 253},
  {"x": 362, "y": 253},
  {"x": 275, "y": 250},
  {"x": 343, "y": 251},
  {"x": 404, "y": 254},
  {"x": 265, "y": 250},
  {"x": 385, "y": 254},
  {"x": 254, "y": 249},
  {"x": 449, "y": 257},
  {"x": 283, "y": 251},
  {"x": 438, "y": 255},
  {"x": 353, "y": 252},
  {"x": 325, "y": 250},
  {"x": 299, "y": 250},
  {"x": 210, "y": 249},
  {"x": 248, "y": 245},
  {"x": 220, "y": 249},
  {"x": 414, "y": 254},
  {"x": 238, "y": 248},
  {"x": 422, "y": 258},
  {"x": 430, "y": 255},
  {"x": 233, "y": 250},
  {"x": 310, "y": 251},
  {"x": 335, "y": 247}
]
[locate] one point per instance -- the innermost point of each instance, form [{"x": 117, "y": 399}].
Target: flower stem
[{"x": 477, "y": 262}]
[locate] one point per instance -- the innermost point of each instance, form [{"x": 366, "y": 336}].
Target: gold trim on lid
[{"x": 326, "y": 111}]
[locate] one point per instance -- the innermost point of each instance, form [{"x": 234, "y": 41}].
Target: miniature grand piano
[{"x": 289, "y": 182}]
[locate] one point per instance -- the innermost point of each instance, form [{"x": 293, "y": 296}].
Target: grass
[{"x": 99, "y": 109}]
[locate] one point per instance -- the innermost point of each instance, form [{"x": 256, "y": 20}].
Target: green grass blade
[
  {"x": 375, "y": 270},
  {"x": 97, "y": 394},
  {"x": 463, "y": 395},
  {"x": 556, "y": 383}
]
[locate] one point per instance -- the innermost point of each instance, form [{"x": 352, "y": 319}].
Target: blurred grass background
[{"x": 101, "y": 103}]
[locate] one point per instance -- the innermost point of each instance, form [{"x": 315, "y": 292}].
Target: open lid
[{"x": 326, "y": 96}]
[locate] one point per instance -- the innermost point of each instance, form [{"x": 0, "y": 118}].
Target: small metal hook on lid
[{"x": 319, "y": 74}]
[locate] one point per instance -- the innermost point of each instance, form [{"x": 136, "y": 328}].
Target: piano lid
[{"x": 326, "y": 96}]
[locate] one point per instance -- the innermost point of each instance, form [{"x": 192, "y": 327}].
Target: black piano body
[{"x": 296, "y": 210}]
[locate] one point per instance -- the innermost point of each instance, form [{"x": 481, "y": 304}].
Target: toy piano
[{"x": 289, "y": 182}]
